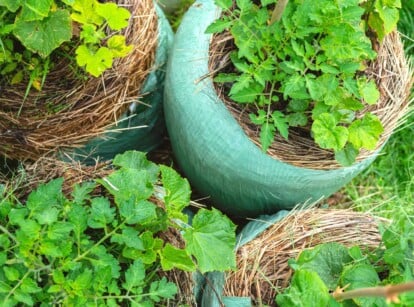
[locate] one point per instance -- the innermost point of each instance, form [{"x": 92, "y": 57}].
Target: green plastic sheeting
[
  {"x": 213, "y": 150},
  {"x": 143, "y": 127},
  {"x": 213, "y": 291}
]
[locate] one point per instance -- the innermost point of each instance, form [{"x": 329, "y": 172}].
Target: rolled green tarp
[
  {"x": 142, "y": 127},
  {"x": 211, "y": 148},
  {"x": 214, "y": 284}
]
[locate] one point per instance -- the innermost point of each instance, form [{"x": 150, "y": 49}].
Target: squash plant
[
  {"x": 301, "y": 63},
  {"x": 88, "y": 250},
  {"x": 32, "y": 32}
]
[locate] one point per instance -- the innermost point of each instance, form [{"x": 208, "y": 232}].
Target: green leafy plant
[
  {"x": 31, "y": 30},
  {"x": 333, "y": 275},
  {"x": 106, "y": 250},
  {"x": 301, "y": 63}
]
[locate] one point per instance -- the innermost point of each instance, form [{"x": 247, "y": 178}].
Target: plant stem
[
  {"x": 278, "y": 11},
  {"x": 3, "y": 229},
  {"x": 390, "y": 292}
]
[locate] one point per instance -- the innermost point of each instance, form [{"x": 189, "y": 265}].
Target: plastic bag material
[
  {"x": 211, "y": 148},
  {"x": 214, "y": 281},
  {"x": 142, "y": 127}
]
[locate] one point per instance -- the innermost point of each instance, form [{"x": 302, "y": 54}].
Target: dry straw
[
  {"x": 69, "y": 111},
  {"x": 392, "y": 73},
  {"x": 262, "y": 264}
]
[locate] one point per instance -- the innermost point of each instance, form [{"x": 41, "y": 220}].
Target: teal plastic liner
[
  {"x": 149, "y": 113},
  {"x": 212, "y": 149},
  {"x": 214, "y": 284}
]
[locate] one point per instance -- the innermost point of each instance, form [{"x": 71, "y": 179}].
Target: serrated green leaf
[
  {"x": 177, "y": 192},
  {"x": 328, "y": 134},
  {"x": 44, "y": 36},
  {"x": 305, "y": 288},
  {"x": 102, "y": 278},
  {"x": 172, "y": 257},
  {"x": 58, "y": 276},
  {"x": 267, "y": 135},
  {"x": 104, "y": 259},
  {"x": 327, "y": 260},
  {"x": 347, "y": 155},
  {"x": 211, "y": 228},
  {"x": 365, "y": 132},
  {"x": 82, "y": 281},
  {"x": 78, "y": 217},
  {"x": 224, "y": 4},
  {"x": 116, "y": 17},
  {"x": 23, "y": 297},
  {"x": 95, "y": 62},
  {"x": 55, "y": 248},
  {"x": 162, "y": 289},
  {"x": 47, "y": 217},
  {"x": 248, "y": 94},
  {"x": 295, "y": 87},
  {"x": 101, "y": 214},
  {"x": 259, "y": 118},
  {"x": 81, "y": 192},
  {"x": 223, "y": 78},
  {"x": 389, "y": 16},
  {"x": 35, "y": 9},
  {"x": 11, "y": 273},
  {"x": 242, "y": 83},
  {"x": 280, "y": 122},
  {"x": 118, "y": 47},
  {"x": 59, "y": 230},
  {"x": 45, "y": 196},
  {"x": 134, "y": 276},
  {"x": 91, "y": 35},
  {"x": 12, "y": 5},
  {"x": 17, "y": 215},
  {"x": 30, "y": 286},
  {"x": 54, "y": 289},
  {"x": 219, "y": 26},
  {"x": 129, "y": 237}
]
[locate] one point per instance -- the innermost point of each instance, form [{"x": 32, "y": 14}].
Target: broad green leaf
[
  {"x": 267, "y": 135},
  {"x": 211, "y": 229},
  {"x": 35, "y": 9},
  {"x": 347, "y": 155},
  {"x": 375, "y": 22},
  {"x": 44, "y": 36},
  {"x": 362, "y": 276},
  {"x": 29, "y": 230},
  {"x": 295, "y": 87},
  {"x": 223, "y": 78},
  {"x": 47, "y": 216},
  {"x": 101, "y": 278},
  {"x": 162, "y": 289},
  {"x": 82, "y": 281},
  {"x": 306, "y": 289},
  {"x": 129, "y": 184},
  {"x": 328, "y": 134},
  {"x": 177, "y": 192},
  {"x": 389, "y": 16},
  {"x": 85, "y": 12},
  {"x": 172, "y": 257},
  {"x": 242, "y": 83},
  {"x": 280, "y": 122},
  {"x": 12, "y": 5},
  {"x": 101, "y": 214},
  {"x": 95, "y": 62},
  {"x": 141, "y": 212},
  {"x": 55, "y": 249},
  {"x": 297, "y": 119},
  {"x": 137, "y": 160},
  {"x": 298, "y": 105},
  {"x": 248, "y": 94},
  {"x": 116, "y": 17},
  {"x": 134, "y": 275},
  {"x": 327, "y": 260},
  {"x": 365, "y": 132},
  {"x": 224, "y": 4},
  {"x": 369, "y": 91},
  {"x": 118, "y": 47}
]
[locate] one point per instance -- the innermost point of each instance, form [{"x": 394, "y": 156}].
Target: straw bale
[
  {"x": 262, "y": 264},
  {"x": 71, "y": 109}
]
